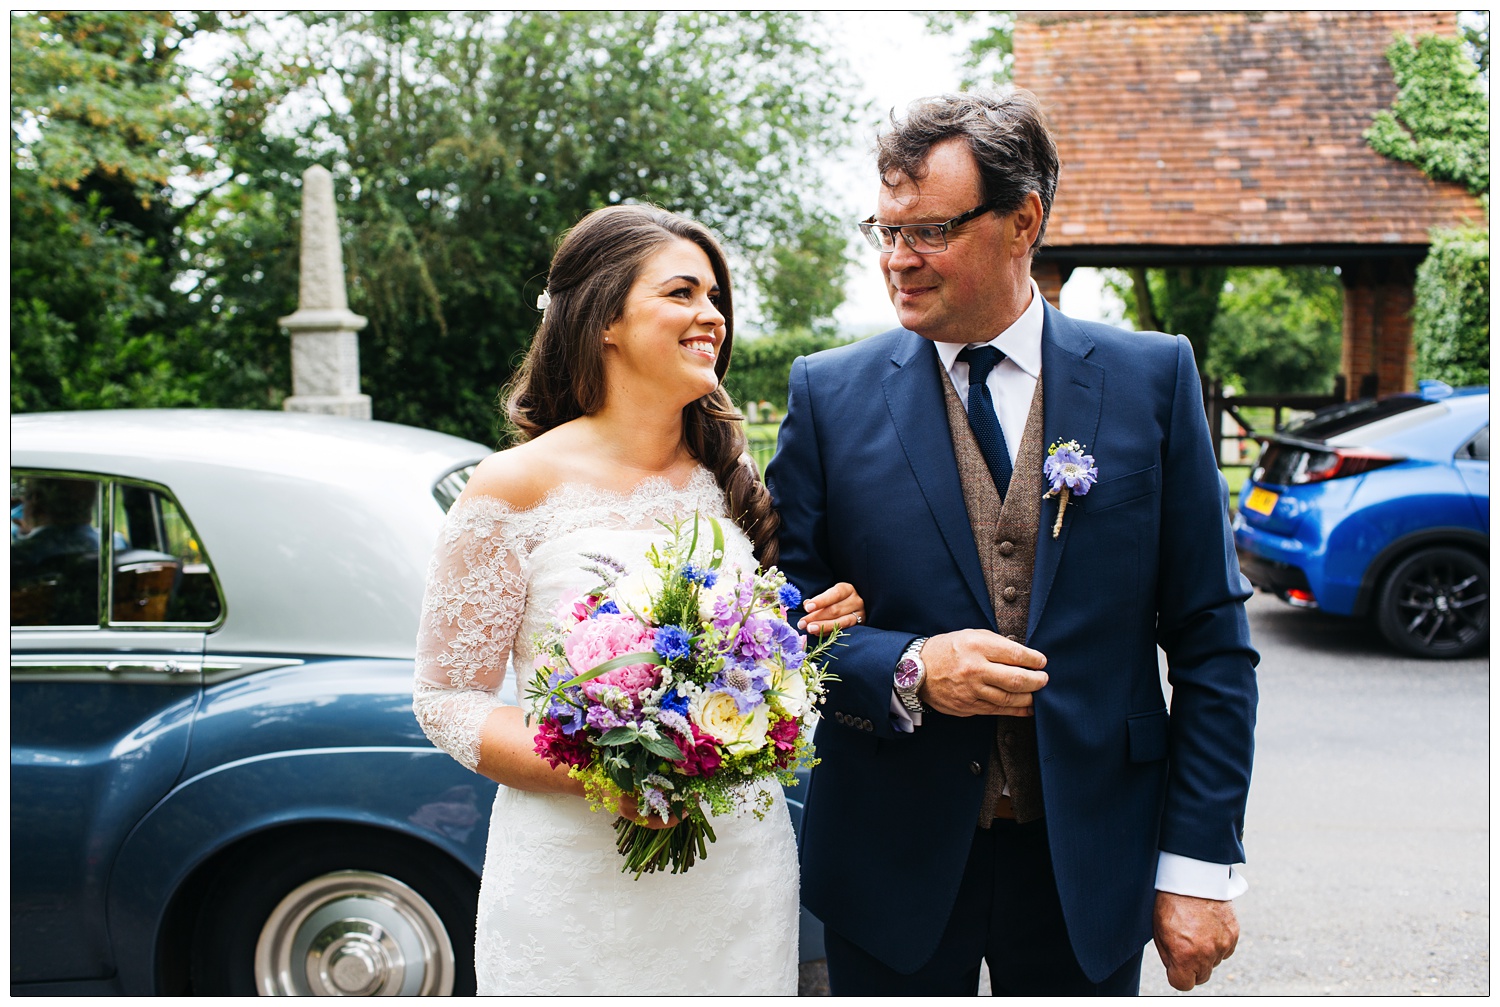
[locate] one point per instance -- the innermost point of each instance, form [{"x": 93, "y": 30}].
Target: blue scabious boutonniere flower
[{"x": 1068, "y": 471}]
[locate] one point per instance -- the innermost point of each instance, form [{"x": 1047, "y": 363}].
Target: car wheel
[
  {"x": 360, "y": 918},
  {"x": 1435, "y": 603}
]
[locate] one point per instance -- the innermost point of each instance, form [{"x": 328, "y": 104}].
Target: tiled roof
[{"x": 1228, "y": 128}]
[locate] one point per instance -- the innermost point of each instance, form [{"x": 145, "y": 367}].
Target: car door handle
[{"x": 162, "y": 667}]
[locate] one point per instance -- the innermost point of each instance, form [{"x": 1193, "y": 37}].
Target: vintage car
[{"x": 217, "y": 782}]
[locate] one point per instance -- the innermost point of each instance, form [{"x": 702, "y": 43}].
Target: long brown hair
[{"x": 562, "y": 377}]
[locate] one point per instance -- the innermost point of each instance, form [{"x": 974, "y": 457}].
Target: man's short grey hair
[{"x": 1006, "y": 131}]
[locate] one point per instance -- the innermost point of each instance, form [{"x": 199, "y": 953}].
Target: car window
[
  {"x": 1478, "y": 448},
  {"x": 1388, "y": 426},
  {"x": 54, "y": 550},
  {"x": 160, "y": 573},
  {"x": 447, "y": 489},
  {"x": 1350, "y": 416}
]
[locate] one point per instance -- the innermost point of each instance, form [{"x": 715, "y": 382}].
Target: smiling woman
[{"x": 625, "y": 430}]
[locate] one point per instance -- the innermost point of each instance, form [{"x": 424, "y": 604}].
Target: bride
[{"x": 625, "y": 425}]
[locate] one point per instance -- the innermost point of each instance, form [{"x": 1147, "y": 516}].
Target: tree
[
  {"x": 100, "y": 124},
  {"x": 464, "y": 145},
  {"x": 1278, "y": 330},
  {"x": 804, "y": 282},
  {"x": 990, "y": 54},
  {"x": 1183, "y": 300}
]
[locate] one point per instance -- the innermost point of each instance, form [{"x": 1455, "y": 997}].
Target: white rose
[
  {"x": 791, "y": 689},
  {"x": 634, "y": 591},
  {"x": 718, "y": 714}
]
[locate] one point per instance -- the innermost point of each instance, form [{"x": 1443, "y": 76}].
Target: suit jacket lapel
[
  {"x": 915, "y": 400},
  {"x": 1072, "y": 394}
]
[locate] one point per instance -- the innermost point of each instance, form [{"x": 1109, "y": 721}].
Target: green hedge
[
  {"x": 1451, "y": 317},
  {"x": 760, "y": 366}
]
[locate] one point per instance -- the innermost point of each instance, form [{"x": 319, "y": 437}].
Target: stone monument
[{"x": 325, "y": 347}]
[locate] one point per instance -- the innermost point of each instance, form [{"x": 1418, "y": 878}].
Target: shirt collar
[{"x": 1022, "y": 342}]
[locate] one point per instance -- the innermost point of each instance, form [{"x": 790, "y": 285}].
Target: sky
[{"x": 879, "y": 45}]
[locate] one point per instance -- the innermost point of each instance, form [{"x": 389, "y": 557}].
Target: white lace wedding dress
[{"x": 556, "y": 915}]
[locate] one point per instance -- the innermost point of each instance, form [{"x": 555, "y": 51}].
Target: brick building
[{"x": 1237, "y": 138}]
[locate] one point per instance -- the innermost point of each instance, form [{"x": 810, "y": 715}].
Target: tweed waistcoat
[{"x": 1005, "y": 533}]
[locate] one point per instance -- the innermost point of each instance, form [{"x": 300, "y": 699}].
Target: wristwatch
[{"x": 910, "y": 674}]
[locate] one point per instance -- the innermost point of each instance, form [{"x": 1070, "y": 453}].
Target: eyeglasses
[{"x": 924, "y": 238}]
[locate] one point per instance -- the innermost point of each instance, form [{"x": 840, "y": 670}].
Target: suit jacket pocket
[
  {"x": 1109, "y": 493},
  {"x": 1148, "y": 736}
]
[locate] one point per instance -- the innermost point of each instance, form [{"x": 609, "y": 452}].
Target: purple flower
[
  {"x": 676, "y": 720},
  {"x": 747, "y": 683},
  {"x": 567, "y": 715},
  {"x": 602, "y": 718},
  {"x": 729, "y": 608},
  {"x": 789, "y": 595},
  {"x": 761, "y": 639},
  {"x": 605, "y": 608},
  {"x": 1068, "y": 467}
]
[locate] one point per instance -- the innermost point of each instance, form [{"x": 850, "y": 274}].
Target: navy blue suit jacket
[{"x": 867, "y": 487}]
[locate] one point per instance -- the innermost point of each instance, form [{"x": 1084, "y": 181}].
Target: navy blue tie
[{"x": 982, "y": 418}]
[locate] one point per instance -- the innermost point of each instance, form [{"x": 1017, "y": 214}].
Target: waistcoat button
[
  {"x": 1009, "y": 594},
  {"x": 1006, "y": 548}
]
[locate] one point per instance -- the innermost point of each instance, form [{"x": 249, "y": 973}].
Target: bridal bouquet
[{"x": 681, "y": 684}]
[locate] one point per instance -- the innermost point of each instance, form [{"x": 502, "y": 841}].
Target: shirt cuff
[
  {"x": 1198, "y": 878},
  {"x": 902, "y": 719}
]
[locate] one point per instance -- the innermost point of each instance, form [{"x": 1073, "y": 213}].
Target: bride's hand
[
  {"x": 629, "y": 809},
  {"x": 839, "y": 607}
]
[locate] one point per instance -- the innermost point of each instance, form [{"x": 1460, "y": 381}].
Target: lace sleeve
[{"x": 476, "y": 595}]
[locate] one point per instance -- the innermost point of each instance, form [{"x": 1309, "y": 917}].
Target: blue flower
[
  {"x": 605, "y": 608},
  {"x": 695, "y": 574},
  {"x": 674, "y": 702},
  {"x": 789, "y": 595},
  {"x": 672, "y": 642}
]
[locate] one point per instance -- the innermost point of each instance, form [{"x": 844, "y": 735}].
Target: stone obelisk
[{"x": 325, "y": 347}]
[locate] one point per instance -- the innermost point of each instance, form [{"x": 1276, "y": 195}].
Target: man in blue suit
[{"x": 1000, "y": 776}]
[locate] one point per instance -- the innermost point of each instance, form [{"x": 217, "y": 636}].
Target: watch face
[{"x": 907, "y": 674}]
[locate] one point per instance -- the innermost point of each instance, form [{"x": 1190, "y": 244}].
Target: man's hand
[
  {"x": 1193, "y": 936},
  {"x": 974, "y": 672}
]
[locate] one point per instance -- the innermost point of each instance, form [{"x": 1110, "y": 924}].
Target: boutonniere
[{"x": 1069, "y": 471}]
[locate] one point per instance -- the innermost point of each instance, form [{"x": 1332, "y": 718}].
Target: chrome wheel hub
[{"x": 354, "y": 933}]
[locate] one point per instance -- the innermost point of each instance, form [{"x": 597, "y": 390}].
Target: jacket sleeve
[
  {"x": 864, "y": 657},
  {"x": 1202, "y": 627}
]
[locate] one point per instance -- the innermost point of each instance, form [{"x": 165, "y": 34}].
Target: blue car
[
  {"x": 217, "y": 782},
  {"x": 1379, "y": 509}
]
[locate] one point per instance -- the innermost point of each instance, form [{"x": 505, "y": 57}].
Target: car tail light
[
  {"x": 1301, "y": 598},
  {"x": 1320, "y": 466}
]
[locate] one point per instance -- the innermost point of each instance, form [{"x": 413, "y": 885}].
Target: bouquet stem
[{"x": 649, "y": 850}]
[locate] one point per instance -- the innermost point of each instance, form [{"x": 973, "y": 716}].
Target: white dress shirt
[{"x": 1012, "y": 384}]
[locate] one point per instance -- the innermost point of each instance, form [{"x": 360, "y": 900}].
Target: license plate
[{"x": 1262, "y": 501}]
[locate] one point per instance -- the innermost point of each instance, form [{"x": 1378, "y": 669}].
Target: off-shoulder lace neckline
[{"x": 651, "y": 486}]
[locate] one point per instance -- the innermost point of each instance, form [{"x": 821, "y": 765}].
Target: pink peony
[{"x": 605, "y": 637}]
